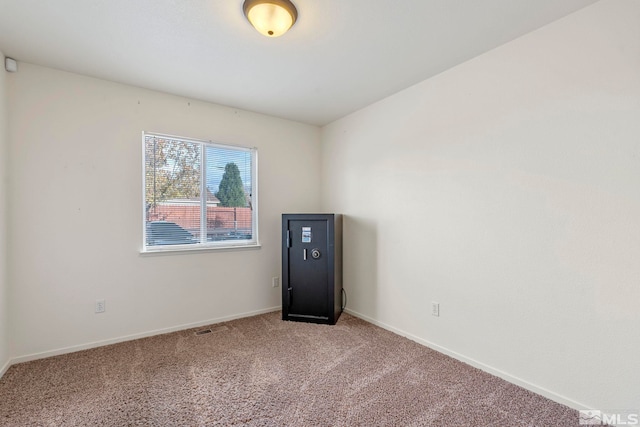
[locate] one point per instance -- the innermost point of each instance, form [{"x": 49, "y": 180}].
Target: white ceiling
[{"x": 340, "y": 56}]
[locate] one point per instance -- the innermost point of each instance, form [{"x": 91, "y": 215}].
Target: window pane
[
  {"x": 172, "y": 191},
  {"x": 229, "y": 210}
]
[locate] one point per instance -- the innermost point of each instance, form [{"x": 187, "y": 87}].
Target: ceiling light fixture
[{"x": 271, "y": 18}]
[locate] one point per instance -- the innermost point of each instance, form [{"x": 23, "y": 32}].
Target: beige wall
[
  {"x": 75, "y": 146},
  {"x": 5, "y": 352},
  {"x": 507, "y": 190}
]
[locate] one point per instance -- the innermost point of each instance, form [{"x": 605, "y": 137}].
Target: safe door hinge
[{"x": 288, "y": 239}]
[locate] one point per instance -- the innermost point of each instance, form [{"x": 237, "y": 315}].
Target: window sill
[{"x": 189, "y": 249}]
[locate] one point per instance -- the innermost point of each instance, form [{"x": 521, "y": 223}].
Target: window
[{"x": 198, "y": 194}]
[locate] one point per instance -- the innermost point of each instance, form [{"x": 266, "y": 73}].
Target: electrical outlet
[
  {"x": 275, "y": 282},
  {"x": 435, "y": 309},
  {"x": 100, "y": 306}
]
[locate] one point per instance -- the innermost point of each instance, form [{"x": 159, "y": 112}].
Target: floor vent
[{"x": 203, "y": 332}]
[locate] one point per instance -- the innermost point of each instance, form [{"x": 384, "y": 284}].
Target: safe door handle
[{"x": 304, "y": 254}]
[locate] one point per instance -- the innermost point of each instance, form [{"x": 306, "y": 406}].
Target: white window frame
[{"x": 252, "y": 243}]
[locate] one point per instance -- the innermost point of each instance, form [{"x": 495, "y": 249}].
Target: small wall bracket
[{"x": 10, "y": 65}]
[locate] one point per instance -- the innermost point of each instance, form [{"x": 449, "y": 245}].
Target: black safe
[{"x": 312, "y": 267}]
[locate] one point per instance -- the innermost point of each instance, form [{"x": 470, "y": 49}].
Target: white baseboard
[
  {"x": 476, "y": 364},
  {"x": 6, "y": 366},
  {"x": 72, "y": 349}
]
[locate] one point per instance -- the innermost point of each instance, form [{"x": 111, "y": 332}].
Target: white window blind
[{"x": 198, "y": 194}]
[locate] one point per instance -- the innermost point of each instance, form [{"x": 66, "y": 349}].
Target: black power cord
[{"x": 344, "y": 299}]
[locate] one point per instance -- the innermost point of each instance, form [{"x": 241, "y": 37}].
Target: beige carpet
[{"x": 261, "y": 371}]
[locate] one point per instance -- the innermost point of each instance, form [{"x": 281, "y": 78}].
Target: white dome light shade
[{"x": 271, "y": 18}]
